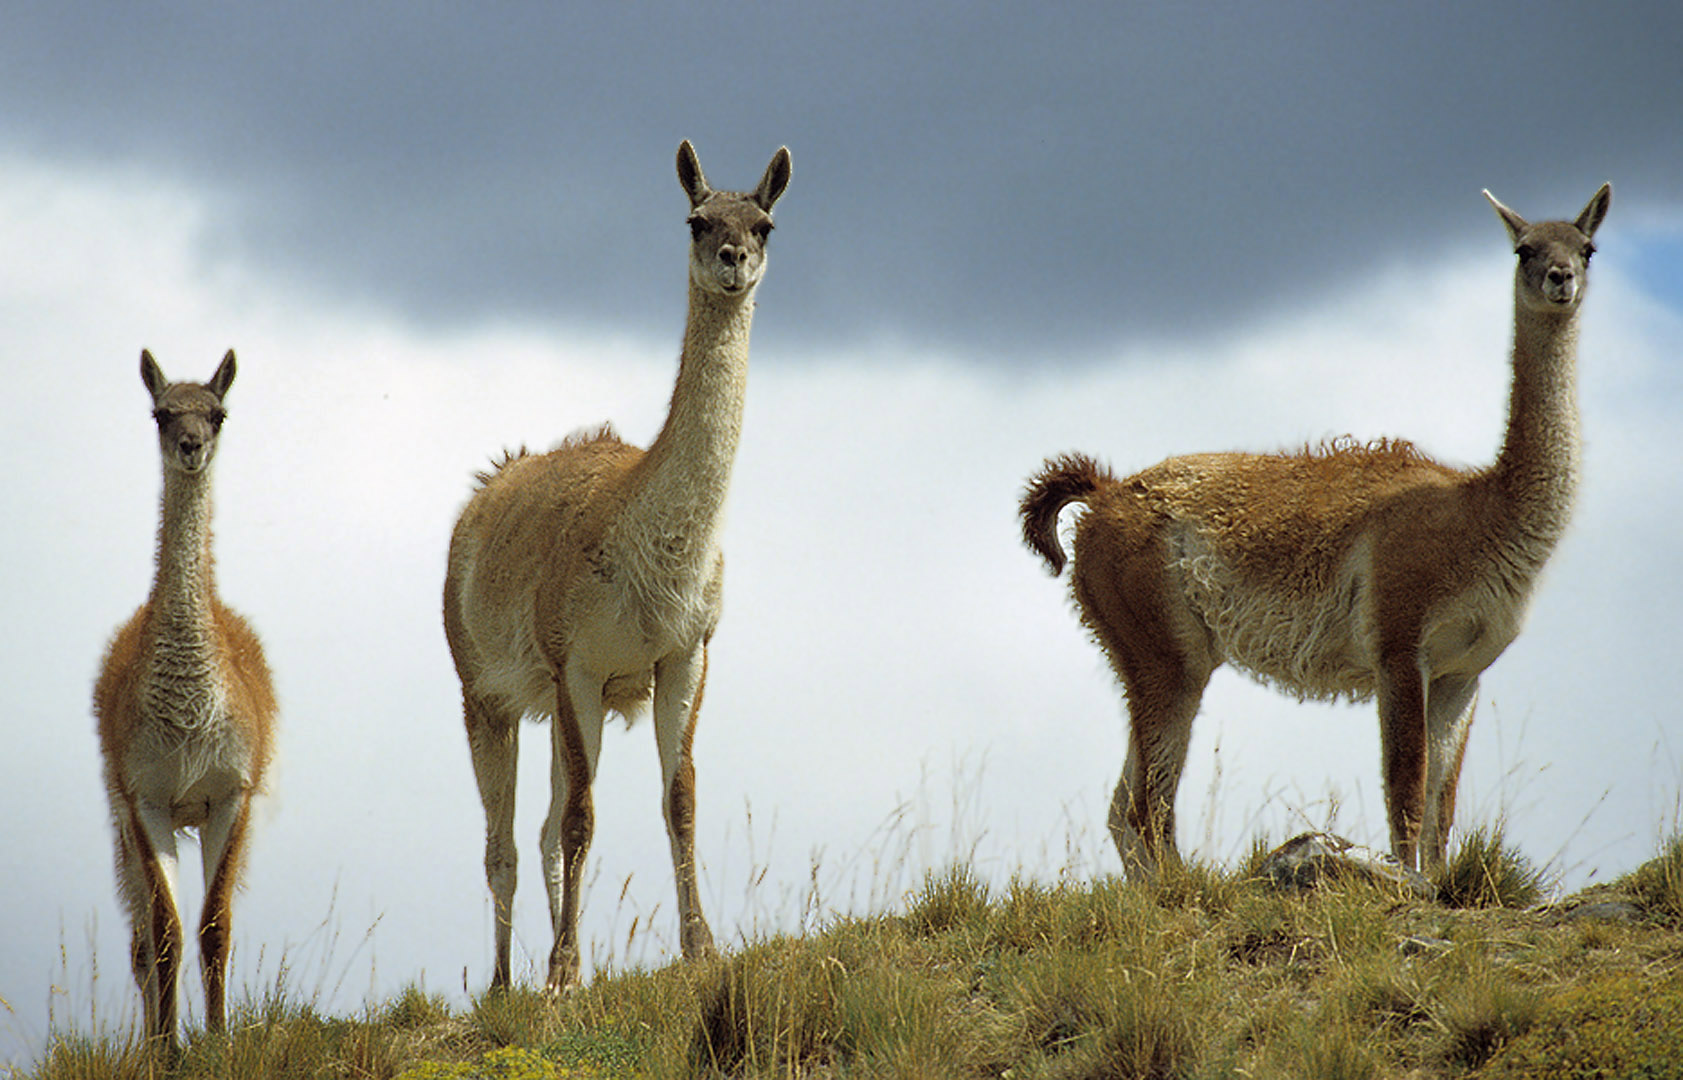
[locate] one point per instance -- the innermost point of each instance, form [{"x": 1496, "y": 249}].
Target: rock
[
  {"x": 1607, "y": 911},
  {"x": 1416, "y": 944},
  {"x": 1304, "y": 861}
]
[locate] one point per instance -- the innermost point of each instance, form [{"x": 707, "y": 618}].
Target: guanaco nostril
[{"x": 1558, "y": 274}]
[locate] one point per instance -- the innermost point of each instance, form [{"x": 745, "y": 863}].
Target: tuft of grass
[
  {"x": 1026, "y": 917},
  {"x": 415, "y": 1008},
  {"x": 1382, "y": 994},
  {"x": 76, "y": 1056},
  {"x": 1199, "y": 886},
  {"x": 1091, "y": 1016},
  {"x": 1262, "y": 930},
  {"x": 1152, "y": 1039},
  {"x": 1109, "y": 913},
  {"x": 1484, "y": 1014},
  {"x": 1058, "y": 1006},
  {"x": 1486, "y": 872},
  {"x": 771, "y": 1007},
  {"x": 1250, "y": 868},
  {"x": 1623, "y": 1026},
  {"x": 512, "y": 1017},
  {"x": 1657, "y": 885},
  {"x": 947, "y": 901},
  {"x": 1312, "y": 1049}
]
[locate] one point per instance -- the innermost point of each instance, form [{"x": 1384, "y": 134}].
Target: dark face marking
[
  {"x": 189, "y": 420},
  {"x": 729, "y": 229},
  {"x": 728, "y": 234}
]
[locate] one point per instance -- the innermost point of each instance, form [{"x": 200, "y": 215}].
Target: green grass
[
  {"x": 1656, "y": 887},
  {"x": 1622, "y": 1026},
  {"x": 1484, "y": 871},
  {"x": 1203, "y": 973}
]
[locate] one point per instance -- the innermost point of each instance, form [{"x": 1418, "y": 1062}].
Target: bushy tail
[{"x": 1062, "y": 480}]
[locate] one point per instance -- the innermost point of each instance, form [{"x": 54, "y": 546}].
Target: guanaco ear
[
  {"x": 1516, "y": 225},
  {"x": 690, "y": 175},
  {"x": 152, "y": 375},
  {"x": 1591, "y": 218},
  {"x": 774, "y": 181},
  {"x": 224, "y": 376}
]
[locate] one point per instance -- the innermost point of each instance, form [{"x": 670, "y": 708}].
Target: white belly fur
[
  {"x": 1325, "y": 645},
  {"x": 1315, "y": 647}
]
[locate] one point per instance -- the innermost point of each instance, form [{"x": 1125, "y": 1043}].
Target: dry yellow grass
[{"x": 1202, "y": 974}]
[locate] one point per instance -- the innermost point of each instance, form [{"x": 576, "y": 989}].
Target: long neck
[
  {"x": 683, "y": 479},
  {"x": 1537, "y": 469},
  {"x": 184, "y": 585}
]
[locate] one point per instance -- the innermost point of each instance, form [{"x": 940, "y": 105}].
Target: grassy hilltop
[{"x": 1203, "y": 973}]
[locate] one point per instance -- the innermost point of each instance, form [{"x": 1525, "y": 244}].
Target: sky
[{"x": 1132, "y": 231}]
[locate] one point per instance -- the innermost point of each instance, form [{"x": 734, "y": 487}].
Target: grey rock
[
  {"x": 1304, "y": 861},
  {"x": 1417, "y": 944},
  {"x": 1607, "y": 911}
]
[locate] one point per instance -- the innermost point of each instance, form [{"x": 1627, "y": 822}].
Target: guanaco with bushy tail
[{"x": 1351, "y": 571}]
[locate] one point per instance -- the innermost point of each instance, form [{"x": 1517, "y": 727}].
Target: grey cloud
[{"x": 1017, "y": 185}]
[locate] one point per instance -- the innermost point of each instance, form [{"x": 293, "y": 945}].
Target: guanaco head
[
  {"x": 728, "y": 229},
  {"x": 189, "y": 414},
  {"x": 1554, "y": 255}
]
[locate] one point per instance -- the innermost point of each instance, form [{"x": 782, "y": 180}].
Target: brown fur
[
  {"x": 186, "y": 712},
  {"x": 1348, "y": 570},
  {"x": 587, "y": 580}
]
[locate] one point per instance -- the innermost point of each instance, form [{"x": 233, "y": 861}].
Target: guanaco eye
[
  {"x": 1525, "y": 251},
  {"x": 1589, "y": 249},
  {"x": 762, "y": 230},
  {"x": 162, "y": 416},
  {"x": 698, "y": 227},
  {"x": 216, "y": 419}
]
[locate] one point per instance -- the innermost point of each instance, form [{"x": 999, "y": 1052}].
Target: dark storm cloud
[{"x": 980, "y": 177}]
